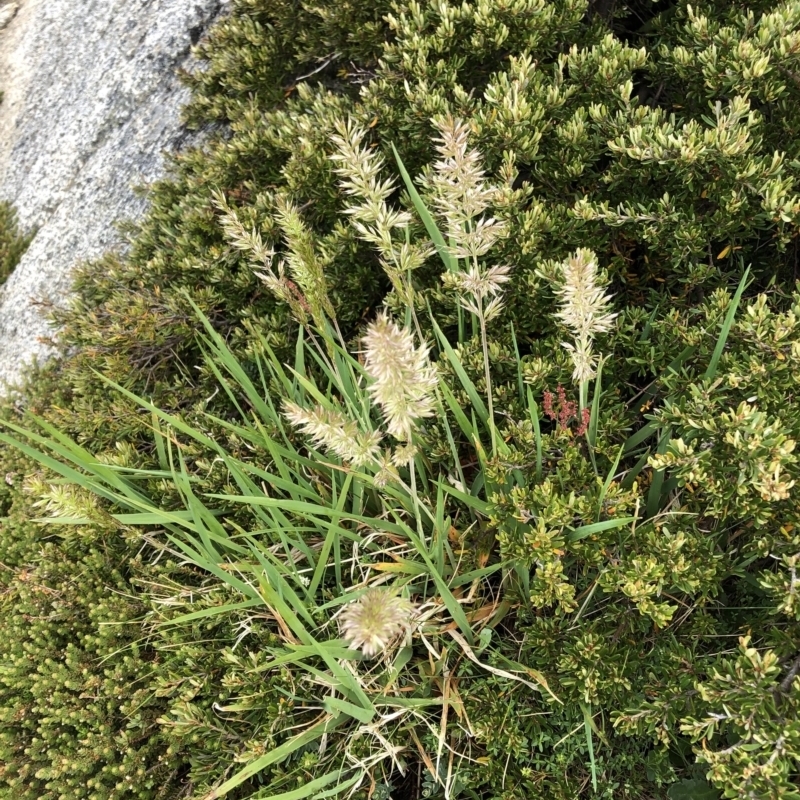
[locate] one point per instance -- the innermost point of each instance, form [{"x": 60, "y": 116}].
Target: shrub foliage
[
  {"x": 633, "y": 536},
  {"x": 13, "y": 243}
]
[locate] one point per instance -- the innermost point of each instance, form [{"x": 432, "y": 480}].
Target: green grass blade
[
  {"x": 469, "y": 500},
  {"x": 333, "y": 705},
  {"x": 199, "y": 560},
  {"x": 453, "y": 606},
  {"x": 458, "y": 368},
  {"x": 655, "y": 492},
  {"x": 159, "y": 440},
  {"x": 533, "y": 410},
  {"x": 607, "y": 484},
  {"x": 587, "y": 725},
  {"x": 425, "y": 215},
  {"x": 645, "y": 335},
  {"x": 644, "y": 433},
  {"x": 598, "y": 527},
  {"x": 277, "y": 755},
  {"x": 310, "y": 789},
  {"x": 347, "y": 683},
  {"x": 520, "y": 381},
  {"x": 634, "y": 471},
  {"x": 230, "y": 363},
  {"x": 300, "y": 352},
  {"x": 331, "y": 537},
  {"x": 591, "y": 432},
  {"x": 711, "y": 371},
  {"x": 211, "y": 612},
  {"x": 452, "y": 442},
  {"x": 466, "y": 426}
]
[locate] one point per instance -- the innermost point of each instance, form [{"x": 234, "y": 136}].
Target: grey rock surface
[
  {"x": 91, "y": 104},
  {"x": 7, "y": 13}
]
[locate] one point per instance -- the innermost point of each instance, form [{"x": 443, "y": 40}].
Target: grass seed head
[
  {"x": 584, "y": 310},
  {"x": 403, "y": 379},
  {"x": 335, "y": 432},
  {"x": 460, "y": 192},
  {"x": 370, "y": 623},
  {"x": 584, "y": 306}
]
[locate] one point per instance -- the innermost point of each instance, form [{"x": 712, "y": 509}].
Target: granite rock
[
  {"x": 91, "y": 105},
  {"x": 7, "y": 13}
]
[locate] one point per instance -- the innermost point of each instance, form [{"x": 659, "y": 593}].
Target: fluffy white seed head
[
  {"x": 370, "y": 623},
  {"x": 373, "y": 219},
  {"x": 404, "y": 455},
  {"x": 335, "y": 433},
  {"x": 460, "y": 192},
  {"x": 403, "y": 379},
  {"x": 460, "y": 177},
  {"x": 247, "y": 241},
  {"x": 583, "y": 359},
  {"x": 360, "y": 166},
  {"x": 584, "y": 310},
  {"x": 261, "y": 258},
  {"x": 477, "y": 283},
  {"x": 584, "y": 306},
  {"x": 387, "y": 471}
]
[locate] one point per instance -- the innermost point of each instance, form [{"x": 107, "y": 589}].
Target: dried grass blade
[{"x": 501, "y": 673}]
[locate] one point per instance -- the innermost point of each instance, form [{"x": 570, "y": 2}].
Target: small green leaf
[{"x": 693, "y": 789}]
